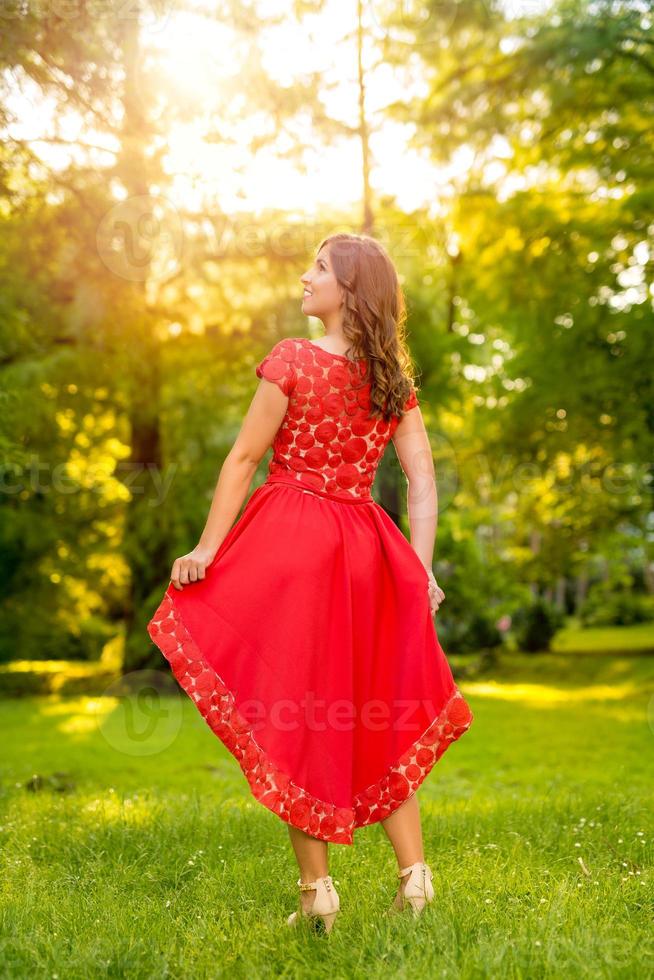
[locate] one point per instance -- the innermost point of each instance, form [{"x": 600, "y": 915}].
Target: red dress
[{"x": 309, "y": 647}]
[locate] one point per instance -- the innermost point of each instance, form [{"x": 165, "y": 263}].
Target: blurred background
[{"x": 167, "y": 172}]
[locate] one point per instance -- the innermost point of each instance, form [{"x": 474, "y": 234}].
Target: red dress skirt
[{"x": 309, "y": 647}]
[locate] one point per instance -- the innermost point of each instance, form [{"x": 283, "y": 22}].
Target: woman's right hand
[
  {"x": 191, "y": 568},
  {"x": 436, "y": 594}
]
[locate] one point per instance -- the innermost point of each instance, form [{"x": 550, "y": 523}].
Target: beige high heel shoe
[
  {"x": 418, "y": 890},
  {"x": 325, "y": 906}
]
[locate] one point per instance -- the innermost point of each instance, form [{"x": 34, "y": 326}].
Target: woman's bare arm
[
  {"x": 258, "y": 429},
  {"x": 414, "y": 453}
]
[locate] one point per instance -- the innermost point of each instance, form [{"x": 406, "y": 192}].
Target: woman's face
[{"x": 322, "y": 295}]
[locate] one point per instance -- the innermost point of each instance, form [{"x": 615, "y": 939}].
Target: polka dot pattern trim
[
  {"x": 271, "y": 786},
  {"x": 327, "y": 441}
]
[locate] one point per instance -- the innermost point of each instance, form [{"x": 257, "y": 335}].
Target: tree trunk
[
  {"x": 367, "y": 225},
  {"x": 144, "y": 536},
  {"x": 560, "y": 592},
  {"x": 582, "y": 589}
]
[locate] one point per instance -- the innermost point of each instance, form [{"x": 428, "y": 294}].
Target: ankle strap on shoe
[
  {"x": 418, "y": 864},
  {"x": 306, "y": 886}
]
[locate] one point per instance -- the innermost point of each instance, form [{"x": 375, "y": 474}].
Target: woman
[{"x": 304, "y": 633}]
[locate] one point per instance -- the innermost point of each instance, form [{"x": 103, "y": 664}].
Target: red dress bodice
[{"x": 327, "y": 442}]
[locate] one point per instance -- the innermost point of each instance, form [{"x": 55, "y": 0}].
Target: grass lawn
[
  {"x": 637, "y": 639},
  {"x": 140, "y": 852}
]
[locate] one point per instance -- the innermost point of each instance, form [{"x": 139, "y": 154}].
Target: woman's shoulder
[
  {"x": 287, "y": 348},
  {"x": 412, "y": 398},
  {"x": 281, "y": 364}
]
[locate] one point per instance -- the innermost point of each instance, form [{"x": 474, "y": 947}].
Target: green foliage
[
  {"x": 482, "y": 632},
  {"x": 534, "y": 625},
  {"x": 529, "y": 315},
  {"x": 605, "y": 606}
]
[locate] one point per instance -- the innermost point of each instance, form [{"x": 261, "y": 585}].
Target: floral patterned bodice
[{"x": 327, "y": 442}]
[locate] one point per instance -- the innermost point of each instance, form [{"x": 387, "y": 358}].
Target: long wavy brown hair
[{"x": 374, "y": 318}]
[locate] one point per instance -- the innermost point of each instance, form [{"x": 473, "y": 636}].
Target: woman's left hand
[{"x": 436, "y": 594}]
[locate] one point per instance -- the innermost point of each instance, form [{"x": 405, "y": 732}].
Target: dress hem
[{"x": 271, "y": 786}]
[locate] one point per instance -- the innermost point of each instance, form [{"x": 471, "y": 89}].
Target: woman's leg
[
  {"x": 404, "y": 831},
  {"x": 312, "y": 858}
]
